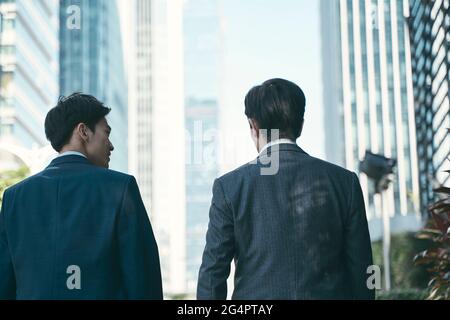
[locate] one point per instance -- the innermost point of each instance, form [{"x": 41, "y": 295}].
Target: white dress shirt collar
[
  {"x": 71, "y": 153},
  {"x": 275, "y": 142}
]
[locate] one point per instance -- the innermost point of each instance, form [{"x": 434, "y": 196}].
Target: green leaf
[{"x": 442, "y": 189}]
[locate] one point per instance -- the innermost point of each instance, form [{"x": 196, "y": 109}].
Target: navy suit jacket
[
  {"x": 301, "y": 233},
  {"x": 76, "y": 215}
]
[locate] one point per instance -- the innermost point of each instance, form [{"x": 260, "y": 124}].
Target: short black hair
[
  {"x": 277, "y": 104},
  {"x": 68, "y": 113}
]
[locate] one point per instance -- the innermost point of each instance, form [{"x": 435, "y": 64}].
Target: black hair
[
  {"x": 277, "y": 104},
  {"x": 68, "y": 113}
]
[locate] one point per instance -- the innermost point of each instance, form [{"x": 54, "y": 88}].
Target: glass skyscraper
[
  {"x": 201, "y": 170},
  {"x": 202, "y": 53},
  {"x": 430, "y": 41},
  {"x": 368, "y": 99},
  {"x": 140, "y": 102},
  {"x": 91, "y": 61},
  {"x": 168, "y": 142},
  {"x": 174, "y": 109},
  {"x": 29, "y": 75}
]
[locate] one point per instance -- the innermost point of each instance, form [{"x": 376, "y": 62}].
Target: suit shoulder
[
  {"x": 21, "y": 184},
  {"x": 331, "y": 168},
  {"x": 236, "y": 174},
  {"x": 240, "y": 171},
  {"x": 115, "y": 174},
  {"x": 112, "y": 176},
  {"x": 102, "y": 174}
]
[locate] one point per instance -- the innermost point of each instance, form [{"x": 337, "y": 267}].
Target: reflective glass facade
[
  {"x": 29, "y": 69},
  {"x": 430, "y": 42},
  {"x": 91, "y": 61},
  {"x": 366, "y": 51},
  {"x": 202, "y": 54}
]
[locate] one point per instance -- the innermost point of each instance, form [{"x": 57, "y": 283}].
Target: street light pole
[
  {"x": 379, "y": 168},
  {"x": 386, "y": 240}
]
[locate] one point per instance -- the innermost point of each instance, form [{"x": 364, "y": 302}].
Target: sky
[{"x": 273, "y": 39}]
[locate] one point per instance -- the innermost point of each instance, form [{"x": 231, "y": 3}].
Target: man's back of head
[{"x": 275, "y": 108}]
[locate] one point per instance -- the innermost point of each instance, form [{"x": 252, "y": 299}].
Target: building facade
[
  {"x": 168, "y": 142},
  {"x": 29, "y": 64},
  {"x": 369, "y": 103},
  {"x": 29, "y": 69},
  {"x": 91, "y": 61},
  {"x": 202, "y": 59},
  {"x": 140, "y": 97},
  {"x": 429, "y": 24}
]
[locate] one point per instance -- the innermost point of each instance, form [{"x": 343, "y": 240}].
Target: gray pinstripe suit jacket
[{"x": 299, "y": 234}]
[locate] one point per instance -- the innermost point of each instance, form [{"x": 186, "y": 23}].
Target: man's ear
[{"x": 82, "y": 131}]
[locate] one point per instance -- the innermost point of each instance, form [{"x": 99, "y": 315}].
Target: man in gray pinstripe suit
[{"x": 295, "y": 225}]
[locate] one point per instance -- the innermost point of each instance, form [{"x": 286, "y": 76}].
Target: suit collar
[
  {"x": 68, "y": 159},
  {"x": 278, "y": 141},
  {"x": 283, "y": 147}
]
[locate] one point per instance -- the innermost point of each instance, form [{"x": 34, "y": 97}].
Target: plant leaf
[{"x": 442, "y": 189}]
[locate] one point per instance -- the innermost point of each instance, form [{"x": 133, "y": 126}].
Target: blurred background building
[
  {"x": 368, "y": 100},
  {"x": 429, "y": 24},
  {"x": 91, "y": 61},
  {"x": 168, "y": 142},
  {"x": 173, "y": 63},
  {"x": 154, "y": 58},
  {"x": 140, "y": 105},
  {"x": 202, "y": 65},
  {"x": 29, "y": 58}
]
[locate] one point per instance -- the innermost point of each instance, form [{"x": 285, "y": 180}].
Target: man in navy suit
[
  {"x": 295, "y": 225},
  {"x": 77, "y": 230}
]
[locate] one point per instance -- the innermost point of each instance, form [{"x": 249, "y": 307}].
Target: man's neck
[{"x": 73, "y": 150}]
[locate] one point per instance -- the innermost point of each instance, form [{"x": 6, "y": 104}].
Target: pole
[{"x": 386, "y": 240}]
